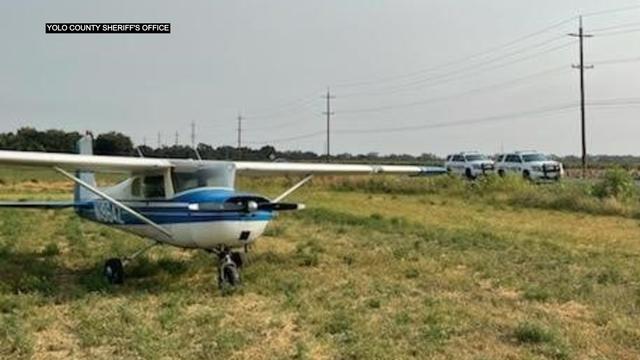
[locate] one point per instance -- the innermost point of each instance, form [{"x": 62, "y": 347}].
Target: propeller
[{"x": 245, "y": 206}]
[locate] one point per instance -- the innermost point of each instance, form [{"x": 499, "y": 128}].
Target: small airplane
[{"x": 181, "y": 202}]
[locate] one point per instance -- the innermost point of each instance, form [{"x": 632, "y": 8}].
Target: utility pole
[
  {"x": 239, "y": 135},
  {"x": 193, "y": 134},
  {"x": 239, "y": 131},
  {"x": 159, "y": 139},
  {"x": 177, "y": 138},
  {"x": 581, "y": 35},
  {"x": 328, "y": 113}
]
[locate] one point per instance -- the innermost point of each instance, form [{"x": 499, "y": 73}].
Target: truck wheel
[
  {"x": 501, "y": 173},
  {"x": 526, "y": 175},
  {"x": 468, "y": 174}
]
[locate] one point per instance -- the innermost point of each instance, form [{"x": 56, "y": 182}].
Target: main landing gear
[
  {"x": 229, "y": 265},
  {"x": 114, "y": 268}
]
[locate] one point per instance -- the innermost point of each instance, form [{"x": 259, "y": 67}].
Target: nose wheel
[
  {"x": 229, "y": 264},
  {"x": 114, "y": 271}
]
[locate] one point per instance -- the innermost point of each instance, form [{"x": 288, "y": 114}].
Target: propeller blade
[
  {"x": 280, "y": 206},
  {"x": 211, "y": 206}
]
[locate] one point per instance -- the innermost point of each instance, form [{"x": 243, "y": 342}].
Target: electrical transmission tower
[
  {"x": 328, "y": 113},
  {"x": 581, "y": 35}
]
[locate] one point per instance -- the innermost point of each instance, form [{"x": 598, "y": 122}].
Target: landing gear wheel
[
  {"x": 113, "y": 271},
  {"x": 228, "y": 272},
  {"x": 468, "y": 174},
  {"x": 239, "y": 258}
]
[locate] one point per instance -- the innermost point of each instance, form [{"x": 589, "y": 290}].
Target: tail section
[{"x": 84, "y": 146}]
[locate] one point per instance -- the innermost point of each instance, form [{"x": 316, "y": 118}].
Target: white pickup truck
[
  {"x": 470, "y": 164},
  {"x": 532, "y": 165}
]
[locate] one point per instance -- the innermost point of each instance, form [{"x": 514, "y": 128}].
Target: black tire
[
  {"x": 468, "y": 174},
  {"x": 114, "y": 271},
  {"x": 239, "y": 258},
  {"x": 229, "y": 274},
  {"x": 526, "y": 175},
  {"x": 501, "y": 173}
]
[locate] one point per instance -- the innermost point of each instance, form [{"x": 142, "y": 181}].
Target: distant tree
[{"x": 113, "y": 143}]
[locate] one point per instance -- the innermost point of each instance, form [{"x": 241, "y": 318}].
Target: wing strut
[
  {"x": 116, "y": 203},
  {"x": 293, "y": 188}
]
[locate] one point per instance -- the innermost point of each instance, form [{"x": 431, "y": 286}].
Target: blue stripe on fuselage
[{"x": 170, "y": 211}]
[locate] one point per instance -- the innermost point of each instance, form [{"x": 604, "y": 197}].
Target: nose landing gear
[{"x": 229, "y": 264}]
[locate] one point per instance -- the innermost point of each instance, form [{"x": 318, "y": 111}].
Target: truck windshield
[
  {"x": 475, "y": 157},
  {"x": 534, "y": 157}
]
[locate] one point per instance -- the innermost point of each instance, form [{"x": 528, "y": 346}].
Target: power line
[
  {"x": 615, "y": 27},
  {"x": 462, "y": 59},
  {"x": 620, "y": 32},
  {"x": 288, "y": 139},
  {"x": 614, "y": 101},
  {"x": 470, "y": 121},
  {"x": 617, "y": 61},
  {"x": 276, "y": 111},
  {"x": 611, "y": 11},
  {"x": 463, "y": 73},
  {"x": 547, "y": 110},
  {"x": 271, "y": 127},
  {"x": 427, "y": 101}
]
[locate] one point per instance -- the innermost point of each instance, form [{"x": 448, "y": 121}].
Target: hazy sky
[{"x": 409, "y": 76}]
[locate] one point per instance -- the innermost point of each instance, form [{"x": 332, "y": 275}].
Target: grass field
[{"x": 389, "y": 269}]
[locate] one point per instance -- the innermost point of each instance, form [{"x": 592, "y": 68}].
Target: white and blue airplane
[{"x": 184, "y": 203}]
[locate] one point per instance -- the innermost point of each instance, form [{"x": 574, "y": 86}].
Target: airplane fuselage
[{"x": 196, "y": 218}]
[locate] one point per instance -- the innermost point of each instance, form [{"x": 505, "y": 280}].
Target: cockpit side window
[
  {"x": 154, "y": 186},
  {"x": 136, "y": 187}
]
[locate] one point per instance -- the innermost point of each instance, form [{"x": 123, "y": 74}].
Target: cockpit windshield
[{"x": 207, "y": 177}]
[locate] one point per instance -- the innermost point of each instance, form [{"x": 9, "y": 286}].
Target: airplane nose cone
[{"x": 252, "y": 206}]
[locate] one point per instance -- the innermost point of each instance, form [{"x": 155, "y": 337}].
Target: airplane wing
[
  {"x": 276, "y": 168},
  {"x": 82, "y": 162},
  {"x": 132, "y": 164}
]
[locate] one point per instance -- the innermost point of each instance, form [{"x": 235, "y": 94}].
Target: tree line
[{"x": 116, "y": 143}]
